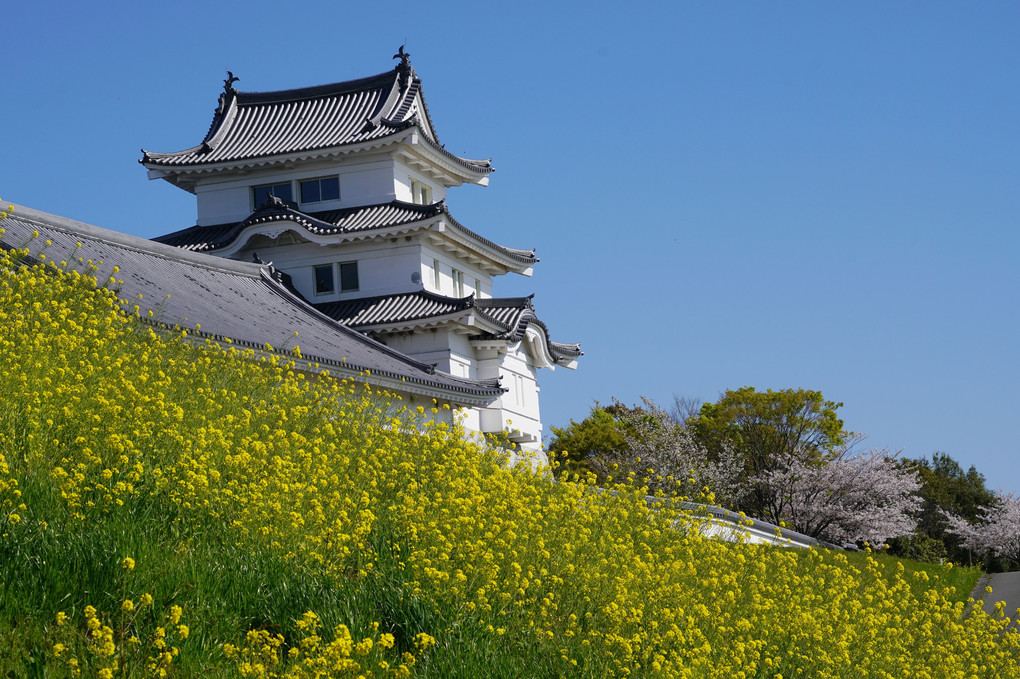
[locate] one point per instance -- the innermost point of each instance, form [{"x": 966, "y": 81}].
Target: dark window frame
[
  {"x": 349, "y": 282},
  {"x": 282, "y": 190},
  {"x": 316, "y": 195},
  {"x": 319, "y": 281}
]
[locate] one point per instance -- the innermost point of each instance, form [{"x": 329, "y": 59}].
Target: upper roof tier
[{"x": 252, "y": 129}]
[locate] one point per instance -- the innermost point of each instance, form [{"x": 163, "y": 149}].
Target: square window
[
  {"x": 282, "y": 191},
  {"x": 421, "y": 194},
  {"x": 348, "y": 276},
  {"x": 310, "y": 191},
  {"x": 318, "y": 190},
  {"x": 330, "y": 187},
  {"x": 324, "y": 283}
]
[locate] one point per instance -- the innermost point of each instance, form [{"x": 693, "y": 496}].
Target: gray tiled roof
[
  {"x": 250, "y": 125},
  {"x": 565, "y": 350},
  {"x": 236, "y": 300},
  {"x": 512, "y": 315},
  {"x": 516, "y": 314},
  {"x": 347, "y": 220},
  {"x": 386, "y": 309}
]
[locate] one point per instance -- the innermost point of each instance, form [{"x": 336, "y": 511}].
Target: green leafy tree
[
  {"x": 945, "y": 488},
  {"x": 655, "y": 447},
  {"x": 595, "y": 438},
  {"x": 770, "y": 431}
]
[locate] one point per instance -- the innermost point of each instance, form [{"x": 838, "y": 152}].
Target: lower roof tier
[
  {"x": 496, "y": 319},
  {"x": 248, "y": 304}
]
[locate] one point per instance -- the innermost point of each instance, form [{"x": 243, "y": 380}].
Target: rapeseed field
[{"x": 170, "y": 507}]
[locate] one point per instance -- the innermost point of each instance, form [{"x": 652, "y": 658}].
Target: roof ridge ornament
[
  {"x": 228, "y": 84},
  {"x": 228, "y": 92},
  {"x": 404, "y": 67},
  {"x": 272, "y": 202}
]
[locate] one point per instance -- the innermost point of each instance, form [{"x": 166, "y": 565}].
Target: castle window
[
  {"x": 348, "y": 276},
  {"x": 324, "y": 283},
  {"x": 284, "y": 192},
  {"x": 421, "y": 193},
  {"x": 458, "y": 283},
  {"x": 435, "y": 275},
  {"x": 319, "y": 190}
]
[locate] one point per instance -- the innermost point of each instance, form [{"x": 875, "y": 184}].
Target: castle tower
[{"x": 343, "y": 188}]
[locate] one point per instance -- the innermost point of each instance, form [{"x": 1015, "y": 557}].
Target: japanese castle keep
[{"x": 342, "y": 188}]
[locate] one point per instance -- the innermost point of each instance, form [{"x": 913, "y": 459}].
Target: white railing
[{"x": 733, "y": 526}]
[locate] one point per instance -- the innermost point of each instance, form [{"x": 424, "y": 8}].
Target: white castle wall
[
  {"x": 475, "y": 280},
  {"x": 366, "y": 181}
]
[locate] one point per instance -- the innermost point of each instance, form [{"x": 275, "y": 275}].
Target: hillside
[{"x": 179, "y": 508}]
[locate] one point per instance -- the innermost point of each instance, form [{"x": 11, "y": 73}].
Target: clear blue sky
[{"x": 768, "y": 194}]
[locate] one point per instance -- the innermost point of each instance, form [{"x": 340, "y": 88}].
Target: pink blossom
[
  {"x": 849, "y": 498},
  {"x": 998, "y": 530}
]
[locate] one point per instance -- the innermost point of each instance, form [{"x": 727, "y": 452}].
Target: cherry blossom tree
[
  {"x": 997, "y": 530},
  {"x": 850, "y": 497},
  {"x": 819, "y": 486},
  {"x": 668, "y": 456}
]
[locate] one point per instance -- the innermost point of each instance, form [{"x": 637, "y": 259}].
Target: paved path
[{"x": 1005, "y": 587}]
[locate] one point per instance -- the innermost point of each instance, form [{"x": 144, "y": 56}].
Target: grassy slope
[{"x": 248, "y": 496}]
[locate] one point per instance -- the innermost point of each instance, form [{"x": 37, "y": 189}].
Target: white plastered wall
[
  {"x": 402, "y": 176},
  {"x": 383, "y": 268},
  {"x": 364, "y": 180},
  {"x": 520, "y": 404},
  {"x": 476, "y": 281},
  {"x": 450, "y": 352}
]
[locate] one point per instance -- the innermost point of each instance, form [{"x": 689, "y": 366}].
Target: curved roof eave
[
  {"x": 249, "y": 127},
  {"x": 261, "y": 161},
  {"x": 562, "y": 353},
  {"x": 480, "y": 166},
  {"x": 408, "y": 311},
  {"x": 466, "y": 170},
  {"x": 522, "y": 256},
  {"x": 525, "y": 322},
  {"x": 462, "y": 318},
  {"x": 227, "y": 238}
]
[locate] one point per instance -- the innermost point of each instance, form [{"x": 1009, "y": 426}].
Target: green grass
[{"x": 960, "y": 579}]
